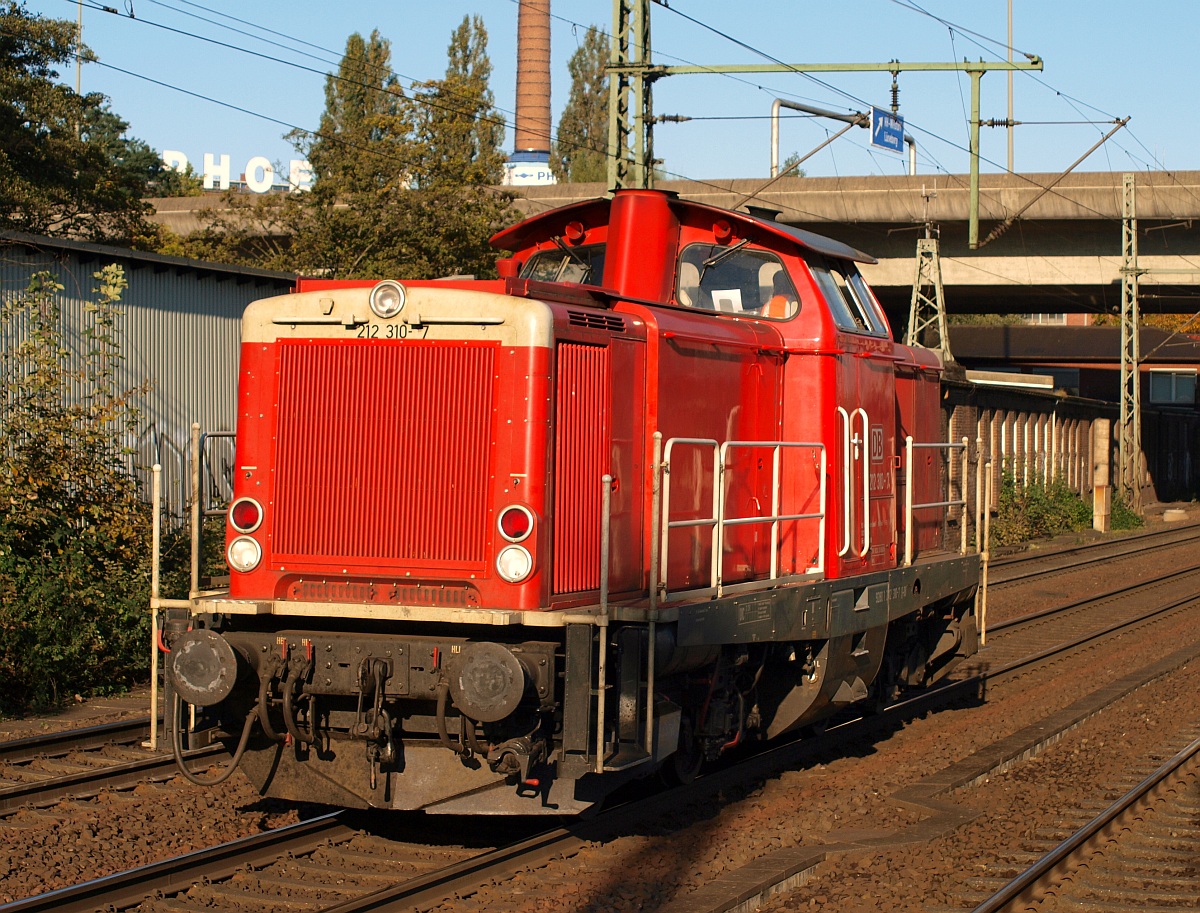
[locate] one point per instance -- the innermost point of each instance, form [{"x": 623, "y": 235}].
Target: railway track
[
  {"x": 1074, "y": 623},
  {"x": 79, "y": 763},
  {"x": 331, "y": 865},
  {"x": 753, "y": 886},
  {"x": 1138, "y": 853},
  {"x": 1021, "y": 567},
  {"x": 328, "y": 864}
]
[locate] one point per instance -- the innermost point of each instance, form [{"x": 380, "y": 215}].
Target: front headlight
[
  {"x": 514, "y": 563},
  {"x": 244, "y": 554},
  {"x": 387, "y": 299}
]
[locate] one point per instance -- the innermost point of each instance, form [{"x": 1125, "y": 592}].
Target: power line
[
  {"x": 429, "y": 102},
  {"x": 962, "y": 30},
  {"x": 682, "y": 177},
  {"x": 415, "y": 84},
  {"x": 757, "y": 51}
]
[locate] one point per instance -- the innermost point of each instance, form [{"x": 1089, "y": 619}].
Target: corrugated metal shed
[{"x": 179, "y": 329}]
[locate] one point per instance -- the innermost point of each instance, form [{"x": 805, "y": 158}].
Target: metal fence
[{"x": 179, "y": 330}]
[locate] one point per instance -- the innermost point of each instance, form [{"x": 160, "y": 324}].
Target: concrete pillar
[{"x": 1101, "y": 488}]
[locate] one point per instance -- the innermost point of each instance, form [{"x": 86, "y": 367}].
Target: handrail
[
  {"x": 720, "y": 520},
  {"x": 844, "y": 422},
  {"x": 206, "y": 461},
  {"x": 866, "y": 479},
  {"x": 667, "y": 523},
  {"x": 602, "y": 621},
  {"x": 775, "y": 517},
  {"x": 910, "y": 506},
  {"x": 198, "y": 497}
]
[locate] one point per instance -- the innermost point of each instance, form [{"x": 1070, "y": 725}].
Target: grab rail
[
  {"x": 866, "y": 479},
  {"x": 855, "y": 449},
  {"x": 720, "y": 519},
  {"x": 844, "y": 423},
  {"x": 909, "y": 506},
  {"x": 667, "y": 523}
]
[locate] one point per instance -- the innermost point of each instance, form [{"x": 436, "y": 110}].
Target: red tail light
[
  {"x": 516, "y": 523},
  {"x": 245, "y": 515}
]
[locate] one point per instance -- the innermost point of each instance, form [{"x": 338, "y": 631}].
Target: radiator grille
[
  {"x": 581, "y": 459},
  {"x": 384, "y": 452}
]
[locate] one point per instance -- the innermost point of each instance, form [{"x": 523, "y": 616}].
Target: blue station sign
[{"x": 887, "y": 130}]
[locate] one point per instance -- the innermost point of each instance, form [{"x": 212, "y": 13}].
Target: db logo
[{"x": 877, "y": 443}]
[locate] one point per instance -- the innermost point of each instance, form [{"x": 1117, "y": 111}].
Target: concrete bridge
[{"x": 1062, "y": 256}]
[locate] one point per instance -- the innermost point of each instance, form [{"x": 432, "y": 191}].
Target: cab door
[{"x": 864, "y": 496}]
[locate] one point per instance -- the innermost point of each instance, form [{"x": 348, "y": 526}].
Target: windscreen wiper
[
  {"x": 723, "y": 255},
  {"x": 587, "y": 267}
]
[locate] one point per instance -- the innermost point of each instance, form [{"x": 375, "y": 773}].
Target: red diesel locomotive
[{"x": 499, "y": 546}]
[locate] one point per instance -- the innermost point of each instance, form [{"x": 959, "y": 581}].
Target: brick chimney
[{"x": 530, "y": 161}]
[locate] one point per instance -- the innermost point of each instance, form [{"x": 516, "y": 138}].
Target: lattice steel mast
[
  {"x": 927, "y": 310},
  {"x": 1129, "y": 438},
  {"x": 630, "y": 108}
]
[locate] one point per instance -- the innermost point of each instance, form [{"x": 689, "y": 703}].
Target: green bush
[
  {"x": 1122, "y": 516},
  {"x": 1036, "y": 511},
  {"x": 74, "y": 533}
]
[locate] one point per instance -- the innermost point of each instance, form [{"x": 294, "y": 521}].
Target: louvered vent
[
  {"x": 581, "y": 458},
  {"x": 384, "y": 452},
  {"x": 594, "y": 320}
]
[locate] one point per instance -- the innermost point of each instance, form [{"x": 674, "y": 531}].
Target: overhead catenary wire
[
  {"x": 371, "y": 150},
  {"x": 915, "y": 127},
  {"x": 926, "y": 153},
  {"x": 414, "y": 82}
]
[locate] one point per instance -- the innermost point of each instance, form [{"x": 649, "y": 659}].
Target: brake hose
[
  {"x": 289, "y": 713},
  {"x": 177, "y": 747},
  {"x": 443, "y": 692},
  {"x": 264, "y": 685}
]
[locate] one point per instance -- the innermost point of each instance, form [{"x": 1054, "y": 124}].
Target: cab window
[
  {"x": 581, "y": 265},
  {"x": 735, "y": 280},
  {"x": 850, "y": 302}
]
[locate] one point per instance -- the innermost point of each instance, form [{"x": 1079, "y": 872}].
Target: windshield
[
  {"x": 735, "y": 280},
  {"x": 581, "y": 265}
]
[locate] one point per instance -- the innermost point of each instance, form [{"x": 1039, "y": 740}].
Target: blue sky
[{"x": 1102, "y": 60}]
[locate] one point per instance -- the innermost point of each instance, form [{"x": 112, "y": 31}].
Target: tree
[
  {"x": 459, "y": 131},
  {"x": 133, "y": 165},
  {"x": 403, "y": 186},
  {"x": 74, "y": 541},
  {"x": 362, "y": 141},
  {"x": 1174, "y": 323},
  {"x": 65, "y": 168},
  {"x": 171, "y": 183},
  {"x": 459, "y": 160},
  {"x": 788, "y": 166},
  {"x": 581, "y": 150}
]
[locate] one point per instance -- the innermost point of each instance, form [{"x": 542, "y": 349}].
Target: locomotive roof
[{"x": 539, "y": 227}]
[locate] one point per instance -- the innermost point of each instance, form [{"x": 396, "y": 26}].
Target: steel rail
[
  {"x": 438, "y": 885},
  {"x": 171, "y": 876},
  {"x": 926, "y": 699},
  {"x": 751, "y": 884},
  {"x": 178, "y": 874},
  {"x": 1025, "y": 887},
  {"x": 88, "y": 782},
  {"x": 1031, "y": 565},
  {"x": 1021, "y": 620},
  {"x": 58, "y": 743}
]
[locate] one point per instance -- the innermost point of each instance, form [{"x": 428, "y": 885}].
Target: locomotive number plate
[{"x": 386, "y": 331}]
